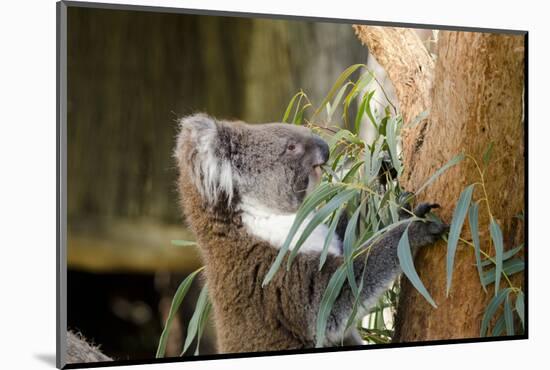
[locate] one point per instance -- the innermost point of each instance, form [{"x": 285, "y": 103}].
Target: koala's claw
[{"x": 422, "y": 209}]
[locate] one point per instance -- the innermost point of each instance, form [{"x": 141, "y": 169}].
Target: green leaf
[
  {"x": 331, "y": 173},
  {"x": 391, "y": 139},
  {"x": 319, "y": 195},
  {"x": 509, "y": 267},
  {"x": 394, "y": 212},
  {"x": 507, "y": 255},
  {"x": 340, "y": 135},
  {"x": 379, "y": 320},
  {"x": 327, "y": 302},
  {"x": 330, "y": 236},
  {"x": 407, "y": 265},
  {"x": 499, "y": 327},
  {"x": 357, "y": 301},
  {"x": 360, "y": 114},
  {"x": 496, "y": 235},
  {"x": 349, "y": 240},
  {"x": 373, "y": 162},
  {"x": 352, "y": 171},
  {"x": 193, "y": 327},
  {"x": 339, "y": 82},
  {"x": 491, "y": 309},
  {"x": 184, "y": 243},
  {"x": 320, "y": 216},
  {"x": 473, "y": 218},
  {"x": 369, "y": 111},
  {"x": 336, "y": 101},
  {"x": 385, "y": 198},
  {"x": 290, "y": 106},
  {"x": 372, "y": 240},
  {"x": 335, "y": 164},
  {"x": 457, "y": 222},
  {"x": 508, "y": 316},
  {"x": 454, "y": 161},
  {"x": 487, "y": 154},
  {"x": 363, "y": 81},
  {"x": 520, "y": 308},
  {"x": 298, "y": 117},
  {"x": 176, "y": 302},
  {"x": 202, "y": 323}
]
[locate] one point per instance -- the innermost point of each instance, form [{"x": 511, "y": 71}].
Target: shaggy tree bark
[{"x": 475, "y": 97}]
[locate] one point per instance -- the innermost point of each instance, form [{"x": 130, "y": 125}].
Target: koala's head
[{"x": 273, "y": 165}]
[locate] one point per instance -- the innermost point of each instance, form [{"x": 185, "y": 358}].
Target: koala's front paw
[
  {"x": 426, "y": 232},
  {"x": 423, "y": 208}
]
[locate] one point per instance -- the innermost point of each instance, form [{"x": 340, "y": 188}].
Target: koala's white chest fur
[{"x": 274, "y": 228}]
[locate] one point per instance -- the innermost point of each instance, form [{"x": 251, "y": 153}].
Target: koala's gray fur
[{"x": 231, "y": 173}]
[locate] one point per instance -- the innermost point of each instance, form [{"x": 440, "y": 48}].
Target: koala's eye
[{"x": 291, "y": 147}]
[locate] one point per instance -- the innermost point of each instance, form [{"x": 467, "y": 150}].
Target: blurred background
[{"x": 131, "y": 74}]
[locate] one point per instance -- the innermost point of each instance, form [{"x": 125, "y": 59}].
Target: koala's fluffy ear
[{"x": 198, "y": 150}]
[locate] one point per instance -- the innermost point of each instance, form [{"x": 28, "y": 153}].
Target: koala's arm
[{"x": 378, "y": 271}]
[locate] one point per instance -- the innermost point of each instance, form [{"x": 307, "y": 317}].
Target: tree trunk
[{"x": 476, "y": 98}]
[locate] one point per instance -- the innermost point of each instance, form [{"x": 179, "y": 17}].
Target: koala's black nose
[{"x": 323, "y": 149}]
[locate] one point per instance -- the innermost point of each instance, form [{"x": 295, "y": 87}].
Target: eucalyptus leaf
[
  {"x": 369, "y": 111},
  {"x": 349, "y": 241},
  {"x": 360, "y": 114},
  {"x": 357, "y": 300},
  {"x": 340, "y": 135},
  {"x": 496, "y": 235},
  {"x": 453, "y": 162},
  {"x": 491, "y": 309},
  {"x": 202, "y": 323},
  {"x": 391, "y": 139},
  {"x": 327, "y": 302},
  {"x": 319, "y": 195},
  {"x": 339, "y": 82},
  {"x": 352, "y": 172},
  {"x": 290, "y": 106},
  {"x": 509, "y": 267},
  {"x": 498, "y": 329},
  {"x": 474, "y": 229},
  {"x": 193, "y": 327},
  {"x": 330, "y": 236},
  {"x": 298, "y": 117},
  {"x": 184, "y": 243},
  {"x": 457, "y": 222},
  {"x": 407, "y": 265},
  {"x": 320, "y": 216},
  {"x": 520, "y": 308},
  {"x": 507, "y": 255},
  {"x": 376, "y": 161},
  {"x": 336, "y": 101},
  {"x": 363, "y": 81},
  {"x": 174, "y": 307},
  {"x": 508, "y": 315}
]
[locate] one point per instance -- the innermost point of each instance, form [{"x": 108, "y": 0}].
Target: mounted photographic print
[{"x": 235, "y": 184}]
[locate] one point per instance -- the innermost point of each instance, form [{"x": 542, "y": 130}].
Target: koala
[{"x": 240, "y": 186}]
